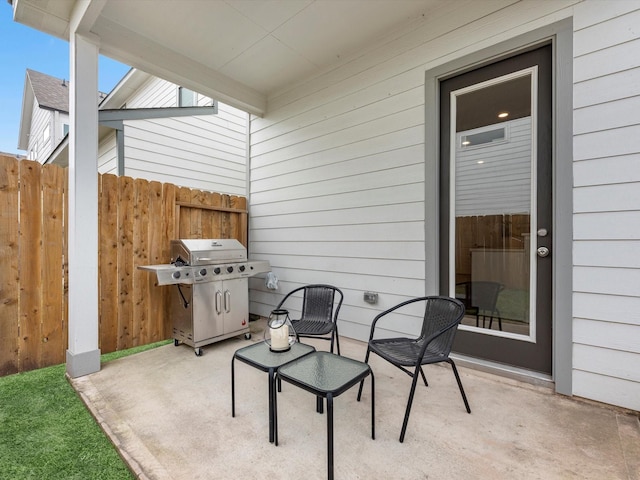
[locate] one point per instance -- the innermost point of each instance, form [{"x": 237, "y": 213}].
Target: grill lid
[{"x": 208, "y": 251}]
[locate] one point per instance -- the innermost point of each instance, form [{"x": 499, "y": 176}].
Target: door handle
[
  {"x": 227, "y": 301},
  {"x": 218, "y": 300},
  {"x": 543, "y": 252}
]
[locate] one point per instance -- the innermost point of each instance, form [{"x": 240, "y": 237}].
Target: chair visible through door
[{"x": 480, "y": 299}]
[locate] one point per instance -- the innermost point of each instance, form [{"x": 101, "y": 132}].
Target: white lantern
[{"x": 279, "y": 334}]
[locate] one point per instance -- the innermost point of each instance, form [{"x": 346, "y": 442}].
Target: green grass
[
  {"x": 47, "y": 433},
  {"x": 514, "y": 304}
]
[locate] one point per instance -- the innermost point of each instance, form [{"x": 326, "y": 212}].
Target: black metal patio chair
[
  {"x": 319, "y": 314},
  {"x": 439, "y": 325}
]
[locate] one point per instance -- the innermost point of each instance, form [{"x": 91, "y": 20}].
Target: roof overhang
[{"x": 239, "y": 52}]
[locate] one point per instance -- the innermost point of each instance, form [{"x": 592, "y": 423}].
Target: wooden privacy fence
[{"x": 137, "y": 220}]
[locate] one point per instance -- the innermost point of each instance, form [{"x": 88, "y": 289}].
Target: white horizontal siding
[
  {"x": 384, "y": 250},
  {"x": 609, "y": 309},
  {"x": 617, "y": 197},
  {"x": 62, "y": 119},
  {"x": 606, "y": 226},
  {"x": 605, "y": 62},
  {"x": 605, "y": 143},
  {"x": 342, "y": 199},
  {"x": 615, "y": 336},
  {"x": 606, "y": 352},
  {"x": 154, "y": 93},
  {"x": 607, "y": 389},
  {"x": 337, "y": 163},
  {"x": 41, "y": 119},
  {"x": 204, "y": 152},
  {"x": 603, "y": 253},
  {"x": 616, "y": 86},
  {"x": 618, "y": 364},
  {"x": 610, "y": 170},
  {"x": 107, "y": 155},
  {"x": 501, "y": 183},
  {"x": 617, "y": 113},
  {"x": 605, "y": 280}
]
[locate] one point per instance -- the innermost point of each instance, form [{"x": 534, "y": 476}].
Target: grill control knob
[
  {"x": 241, "y": 268},
  {"x": 203, "y": 272},
  {"x": 229, "y": 269},
  {"x": 175, "y": 274},
  {"x": 216, "y": 270}
]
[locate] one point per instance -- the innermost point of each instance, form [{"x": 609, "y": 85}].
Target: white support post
[{"x": 83, "y": 355}]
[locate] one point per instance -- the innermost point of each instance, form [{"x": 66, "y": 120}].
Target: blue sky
[{"x": 23, "y": 47}]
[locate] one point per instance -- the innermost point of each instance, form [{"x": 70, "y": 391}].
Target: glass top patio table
[
  {"x": 324, "y": 373},
  {"x": 258, "y": 355},
  {"x": 327, "y": 375},
  {"x": 261, "y": 357}
]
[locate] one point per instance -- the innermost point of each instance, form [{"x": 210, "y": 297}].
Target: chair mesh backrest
[
  {"x": 484, "y": 295},
  {"x": 441, "y": 313},
  {"x": 317, "y": 305}
]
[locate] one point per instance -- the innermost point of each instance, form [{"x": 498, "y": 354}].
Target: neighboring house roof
[{"x": 50, "y": 93}]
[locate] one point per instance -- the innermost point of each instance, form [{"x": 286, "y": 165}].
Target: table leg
[
  {"x": 319, "y": 404},
  {"x": 373, "y": 407},
  {"x": 330, "y": 434},
  {"x": 233, "y": 388},
  {"x": 275, "y": 412},
  {"x": 271, "y": 404}
]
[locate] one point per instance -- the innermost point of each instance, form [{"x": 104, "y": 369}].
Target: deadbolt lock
[{"x": 543, "y": 252}]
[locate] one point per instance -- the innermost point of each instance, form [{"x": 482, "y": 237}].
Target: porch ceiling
[{"x": 238, "y": 51}]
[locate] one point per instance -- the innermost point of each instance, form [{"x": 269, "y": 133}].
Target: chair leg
[
  {"x": 424, "y": 378},
  {"x": 409, "y": 403},
  {"x": 366, "y": 360},
  {"x": 455, "y": 372}
]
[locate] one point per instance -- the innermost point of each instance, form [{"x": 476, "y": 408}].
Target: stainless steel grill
[{"x": 211, "y": 299}]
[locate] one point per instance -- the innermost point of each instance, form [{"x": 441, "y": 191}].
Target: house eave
[
  {"x": 43, "y": 18},
  {"x": 28, "y": 98}
]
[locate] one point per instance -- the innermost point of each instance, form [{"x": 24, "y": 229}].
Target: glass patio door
[{"x": 496, "y": 208}]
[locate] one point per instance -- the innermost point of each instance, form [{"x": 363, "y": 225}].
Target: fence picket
[
  {"x": 140, "y": 312},
  {"x": 125, "y": 262},
  {"x": 30, "y": 258},
  {"x": 108, "y": 262},
  {"x": 9, "y": 275},
  {"x": 238, "y": 222},
  {"x": 156, "y": 313},
  {"x": 53, "y": 339}
]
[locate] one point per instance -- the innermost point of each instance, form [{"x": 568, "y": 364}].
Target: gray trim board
[
  {"x": 123, "y": 114},
  {"x": 120, "y": 150},
  {"x": 561, "y": 34}
]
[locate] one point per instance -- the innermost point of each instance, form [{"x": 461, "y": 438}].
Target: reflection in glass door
[{"x": 492, "y": 190}]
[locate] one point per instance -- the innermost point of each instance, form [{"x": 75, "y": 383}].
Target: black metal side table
[
  {"x": 327, "y": 375},
  {"x": 259, "y": 356}
]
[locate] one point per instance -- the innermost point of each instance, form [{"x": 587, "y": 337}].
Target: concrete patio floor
[{"x": 169, "y": 414}]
